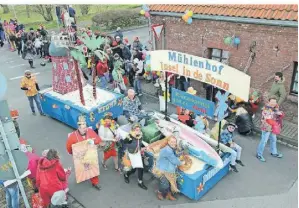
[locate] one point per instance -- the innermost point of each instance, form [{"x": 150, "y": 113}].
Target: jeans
[
  {"x": 37, "y": 102},
  {"x": 164, "y": 186},
  {"x": 103, "y": 82},
  {"x": 2, "y": 35},
  {"x": 265, "y": 136},
  {"x": 12, "y": 196},
  {"x": 236, "y": 154},
  {"x": 137, "y": 85}
]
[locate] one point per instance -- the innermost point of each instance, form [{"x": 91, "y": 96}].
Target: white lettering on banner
[
  {"x": 204, "y": 70},
  {"x": 214, "y": 171}
]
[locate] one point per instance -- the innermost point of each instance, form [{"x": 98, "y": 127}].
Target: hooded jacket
[
  {"x": 278, "y": 90},
  {"x": 50, "y": 175}
]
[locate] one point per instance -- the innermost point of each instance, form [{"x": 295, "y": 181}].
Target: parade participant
[
  {"x": 132, "y": 107},
  {"x": 138, "y": 69},
  {"x": 119, "y": 34},
  {"x": 117, "y": 75},
  {"x": 30, "y": 85},
  {"x": 201, "y": 124},
  {"x": 137, "y": 44},
  {"x": 29, "y": 52},
  {"x": 270, "y": 113},
  {"x": 103, "y": 73},
  {"x": 50, "y": 176},
  {"x": 166, "y": 170},
  {"x": 84, "y": 133},
  {"x": 278, "y": 88},
  {"x": 108, "y": 132},
  {"x": 132, "y": 160},
  {"x": 226, "y": 138},
  {"x": 31, "y": 35}
]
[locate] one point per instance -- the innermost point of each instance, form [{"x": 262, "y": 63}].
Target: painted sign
[
  {"x": 193, "y": 103},
  {"x": 204, "y": 70},
  {"x": 86, "y": 162}
]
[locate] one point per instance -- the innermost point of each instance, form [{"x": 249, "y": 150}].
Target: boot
[
  {"x": 170, "y": 197},
  {"x": 31, "y": 64},
  {"x": 233, "y": 167},
  {"x": 160, "y": 196}
]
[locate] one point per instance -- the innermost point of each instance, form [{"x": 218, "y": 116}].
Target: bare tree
[
  {"x": 45, "y": 11},
  {"x": 5, "y": 8},
  {"x": 84, "y": 9},
  {"x": 28, "y": 11}
]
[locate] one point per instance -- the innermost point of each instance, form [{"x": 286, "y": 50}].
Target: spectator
[
  {"x": 126, "y": 42},
  {"x": 138, "y": 68},
  {"x": 116, "y": 47},
  {"x": 72, "y": 13},
  {"x": 137, "y": 44},
  {"x": 269, "y": 112},
  {"x": 278, "y": 88},
  {"x": 11, "y": 194},
  {"x": 226, "y": 138},
  {"x": 30, "y": 85},
  {"x": 119, "y": 33},
  {"x": 50, "y": 176},
  {"x": 137, "y": 54},
  {"x": 2, "y": 35},
  {"x": 31, "y": 35},
  {"x": 126, "y": 53},
  {"x": 19, "y": 42},
  {"x": 103, "y": 73},
  {"x": 29, "y": 52},
  {"x": 58, "y": 14}
]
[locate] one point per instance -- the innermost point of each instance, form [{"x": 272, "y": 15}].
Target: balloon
[
  {"x": 147, "y": 14},
  {"x": 189, "y": 21},
  {"x": 185, "y": 17},
  {"x": 148, "y": 57},
  {"x": 190, "y": 13},
  {"x": 145, "y": 8},
  {"x": 142, "y": 12},
  {"x": 237, "y": 41},
  {"x": 228, "y": 40}
]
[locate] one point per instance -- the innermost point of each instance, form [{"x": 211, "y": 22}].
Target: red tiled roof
[{"x": 257, "y": 11}]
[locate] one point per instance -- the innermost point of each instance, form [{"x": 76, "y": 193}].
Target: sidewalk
[{"x": 289, "y": 133}]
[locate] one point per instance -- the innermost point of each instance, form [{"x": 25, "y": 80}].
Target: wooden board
[{"x": 86, "y": 162}]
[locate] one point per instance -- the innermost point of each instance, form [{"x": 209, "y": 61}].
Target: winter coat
[
  {"x": 102, "y": 68},
  {"x": 50, "y": 177},
  {"x": 278, "y": 90},
  {"x": 226, "y": 137},
  {"x": 120, "y": 34},
  {"x": 33, "y": 164},
  {"x": 126, "y": 53},
  {"x": 137, "y": 45},
  {"x": 244, "y": 123}
]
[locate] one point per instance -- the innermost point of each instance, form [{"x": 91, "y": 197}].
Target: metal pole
[
  {"x": 219, "y": 132},
  {"x": 14, "y": 167},
  {"x": 166, "y": 76}
]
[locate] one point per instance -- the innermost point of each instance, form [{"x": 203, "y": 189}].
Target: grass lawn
[{"x": 36, "y": 19}]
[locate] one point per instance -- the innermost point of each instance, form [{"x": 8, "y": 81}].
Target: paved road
[{"x": 274, "y": 177}]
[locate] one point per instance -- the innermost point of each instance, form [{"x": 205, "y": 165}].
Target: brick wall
[{"x": 202, "y": 34}]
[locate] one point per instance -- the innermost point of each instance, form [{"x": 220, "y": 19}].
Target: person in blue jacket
[
  {"x": 166, "y": 169},
  {"x": 11, "y": 194},
  {"x": 226, "y": 138}
]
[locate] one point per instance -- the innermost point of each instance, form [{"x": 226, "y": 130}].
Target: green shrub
[{"x": 123, "y": 18}]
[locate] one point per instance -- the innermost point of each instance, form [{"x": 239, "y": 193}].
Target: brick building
[{"x": 268, "y": 41}]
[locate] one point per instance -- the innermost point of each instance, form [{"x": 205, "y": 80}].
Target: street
[{"x": 276, "y": 176}]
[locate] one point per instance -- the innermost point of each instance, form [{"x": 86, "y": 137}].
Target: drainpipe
[{"x": 280, "y": 23}]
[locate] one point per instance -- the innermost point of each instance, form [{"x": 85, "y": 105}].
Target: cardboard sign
[
  {"x": 193, "y": 103},
  {"x": 204, "y": 70},
  {"x": 86, "y": 162}
]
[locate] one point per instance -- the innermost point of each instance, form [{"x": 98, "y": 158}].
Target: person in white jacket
[{"x": 138, "y": 68}]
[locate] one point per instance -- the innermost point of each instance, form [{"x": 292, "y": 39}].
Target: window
[
  {"x": 294, "y": 84},
  {"x": 219, "y": 55}
]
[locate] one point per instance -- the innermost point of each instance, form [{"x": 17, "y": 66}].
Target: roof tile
[{"x": 258, "y": 11}]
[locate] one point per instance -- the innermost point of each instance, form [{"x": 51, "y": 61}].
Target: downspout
[{"x": 280, "y": 23}]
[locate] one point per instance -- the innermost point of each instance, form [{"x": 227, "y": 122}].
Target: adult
[
  {"x": 138, "y": 69},
  {"x": 132, "y": 107},
  {"x": 50, "y": 176},
  {"x": 107, "y": 129},
  {"x": 29, "y": 53},
  {"x": 133, "y": 147},
  {"x": 103, "y": 73},
  {"x": 30, "y": 86},
  {"x": 72, "y": 13},
  {"x": 116, "y": 46},
  {"x": 117, "y": 75},
  {"x": 84, "y": 133},
  {"x": 270, "y": 112},
  {"x": 166, "y": 169},
  {"x": 278, "y": 88},
  {"x": 31, "y": 35},
  {"x": 137, "y": 44},
  {"x": 11, "y": 194},
  {"x": 58, "y": 14},
  {"x": 126, "y": 53},
  {"x": 2, "y": 34},
  {"x": 119, "y": 34}
]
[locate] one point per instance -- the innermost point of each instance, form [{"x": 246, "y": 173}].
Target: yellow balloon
[
  {"x": 142, "y": 12},
  {"x": 189, "y": 13}
]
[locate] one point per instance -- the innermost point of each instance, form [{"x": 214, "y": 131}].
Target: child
[{"x": 226, "y": 138}]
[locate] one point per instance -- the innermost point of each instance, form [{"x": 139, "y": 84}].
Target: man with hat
[
  {"x": 226, "y": 138},
  {"x": 107, "y": 130},
  {"x": 81, "y": 134},
  {"x": 119, "y": 34},
  {"x": 31, "y": 88},
  {"x": 132, "y": 160}
]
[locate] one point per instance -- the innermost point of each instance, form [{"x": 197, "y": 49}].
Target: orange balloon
[{"x": 185, "y": 17}]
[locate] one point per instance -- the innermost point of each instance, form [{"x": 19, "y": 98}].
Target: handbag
[{"x": 136, "y": 160}]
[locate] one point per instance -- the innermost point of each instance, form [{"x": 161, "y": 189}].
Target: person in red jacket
[
  {"x": 103, "y": 73},
  {"x": 84, "y": 133},
  {"x": 50, "y": 176}
]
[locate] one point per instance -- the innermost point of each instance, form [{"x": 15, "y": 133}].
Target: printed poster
[{"x": 85, "y": 161}]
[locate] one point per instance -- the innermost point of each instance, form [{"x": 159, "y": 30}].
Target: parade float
[{"x": 70, "y": 95}]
